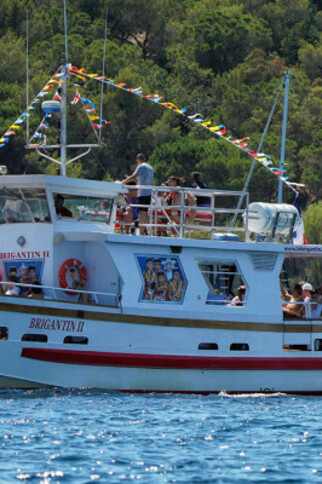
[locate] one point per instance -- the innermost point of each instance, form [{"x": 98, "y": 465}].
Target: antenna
[
  {"x": 63, "y": 124},
  {"x": 252, "y": 168},
  {"x": 65, "y": 29},
  {"x": 103, "y": 73},
  {"x": 287, "y": 76},
  {"x": 27, "y": 78}
]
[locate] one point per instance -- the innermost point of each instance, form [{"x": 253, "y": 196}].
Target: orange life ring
[{"x": 67, "y": 275}]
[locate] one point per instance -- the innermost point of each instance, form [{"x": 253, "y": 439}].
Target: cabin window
[
  {"x": 318, "y": 345},
  {"x": 296, "y": 347},
  {"x": 239, "y": 347},
  {"x": 76, "y": 340},
  {"x": 23, "y": 205},
  {"x": 39, "y": 338},
  {"x": 226, "y": 285},
  {"x": 92, "y": 209},
  {"x": 208, "y": 346},
  {"x": 4, "y": 332}
]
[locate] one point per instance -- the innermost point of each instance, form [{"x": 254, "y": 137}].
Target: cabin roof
[{"x": 62, "y": 184}]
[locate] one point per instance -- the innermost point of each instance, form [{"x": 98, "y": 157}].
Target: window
[
  {"x": 76, "y": 340},
  {"x": 93, "y": 209},
  {"x": 296, "y": 347},
  {"x": 39, "y": 338},
  {"x": 225, "y": 283},
  {"x": 4, "y": 332},
  {"x": 239, "y": 347},
  {"x": 23, "y": 205},
  {"x": 208, "y": 346},
  {"x": 318, "y": 345}
]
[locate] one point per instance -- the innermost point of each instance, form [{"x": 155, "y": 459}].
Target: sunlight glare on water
[{"x": 83, "y": 436}]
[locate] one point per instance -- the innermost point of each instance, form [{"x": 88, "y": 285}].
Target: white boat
[{"x": 148, "y": 313}]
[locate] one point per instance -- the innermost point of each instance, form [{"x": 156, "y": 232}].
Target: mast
[
  {"x": 287, "y": 76},
  {"x": 27, "y": 77},
  {"x": 63, "y": 125}
]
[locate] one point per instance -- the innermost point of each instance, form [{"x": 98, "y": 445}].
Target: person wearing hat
[{"x": 307, "y": 291}]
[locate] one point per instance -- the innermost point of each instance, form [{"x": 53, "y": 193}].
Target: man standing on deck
[{"x": 144, "y": 176}]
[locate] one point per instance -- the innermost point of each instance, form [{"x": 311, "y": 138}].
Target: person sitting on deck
[
  {"x": 36, "y": 292},
  {"x": 316, "y": 307},
  {"x": 11, "y": 289},
  {"x": 239, "y": 299},
  {"x": 174, "y": 199},
  {"x": 294, "y": 299}
]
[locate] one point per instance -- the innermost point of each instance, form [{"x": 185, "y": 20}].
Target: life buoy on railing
[{"x": 72, "y": 275}]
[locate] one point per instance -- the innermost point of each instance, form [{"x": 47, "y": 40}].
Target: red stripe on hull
[{"x": 135, "y": 360}]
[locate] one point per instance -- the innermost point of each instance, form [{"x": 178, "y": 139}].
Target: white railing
[
  {"x": 69, "y": 295},
  {"x": 302, "y": 310},
  {"x": 193, "y": 219}
]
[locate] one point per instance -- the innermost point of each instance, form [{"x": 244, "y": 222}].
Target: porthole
[
  {"x": 39, "y": 338},
  {"x": 208, "y": 346},
  {"x": 76, "y": 340},
  {"x": 239, "y": 347}
]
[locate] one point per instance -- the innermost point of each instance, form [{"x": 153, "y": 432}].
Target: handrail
[
  {"x": 202, "y": 217},
  {"x": 306, "y": 313},
  {"x": 73, "y": 292}
]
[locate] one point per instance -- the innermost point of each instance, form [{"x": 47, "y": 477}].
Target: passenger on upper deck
[
  {"x": 60, "y": 209},
  {"x": 201, "y": 201},
  {"x": 144, "y": 176},
  {"x": 174, "y": 199},
  {"x": 130, "y": 212},
  {"x": 160, "y": 202}
]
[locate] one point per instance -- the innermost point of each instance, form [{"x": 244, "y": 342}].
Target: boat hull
[{"x": 149, "y": 354}]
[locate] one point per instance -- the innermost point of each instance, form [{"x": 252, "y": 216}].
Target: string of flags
[
  {"x": 219, "y": 130},
  {"x": 52, "y": 86},
  {"x": 16, "y": 126}
]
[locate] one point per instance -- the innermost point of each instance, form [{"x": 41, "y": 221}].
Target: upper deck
[{"x": 98, "y": 208}]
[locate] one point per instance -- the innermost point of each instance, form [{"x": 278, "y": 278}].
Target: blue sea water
[{"x": 84, "y": 436}]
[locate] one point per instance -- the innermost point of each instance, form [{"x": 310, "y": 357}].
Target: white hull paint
[{"x": 27, "y": 364}]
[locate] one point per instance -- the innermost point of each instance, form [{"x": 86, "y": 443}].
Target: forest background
[{"x": 222, "y": 58}]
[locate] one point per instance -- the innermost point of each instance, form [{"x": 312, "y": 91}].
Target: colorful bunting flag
[{"x": 76, "y": 98}]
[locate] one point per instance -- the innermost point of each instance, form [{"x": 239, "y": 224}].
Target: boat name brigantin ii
[
  {"x": 57, "y": 324},
  {"x": 25, "y": 255}
]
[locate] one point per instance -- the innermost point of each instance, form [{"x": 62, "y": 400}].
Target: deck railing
[
  {"x": 194, "y": 220},
  {"x": 67, "y": 295},
  {"x": 303, "y": 310}
]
